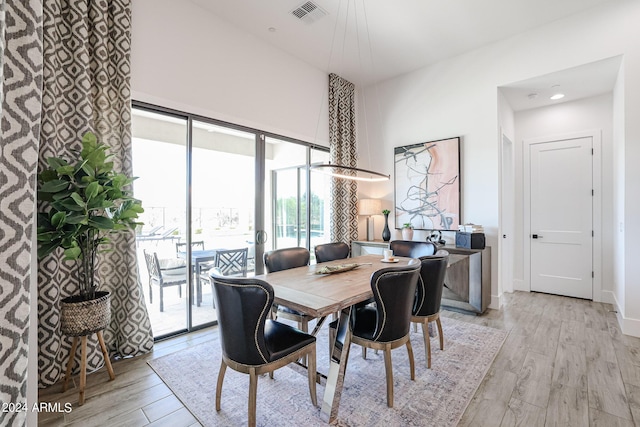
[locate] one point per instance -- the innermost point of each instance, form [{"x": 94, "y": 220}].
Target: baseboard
[
  {"x": 628, "y": 325},
  {"x": 496, "y": 302},
  {"x": 520, "y": 285}
]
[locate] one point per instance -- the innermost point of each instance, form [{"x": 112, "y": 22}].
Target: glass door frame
[{"x": 260, "y": 235}]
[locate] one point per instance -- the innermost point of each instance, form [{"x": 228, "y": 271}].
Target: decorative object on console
[
  {"x": 470, "y": 236},
  {"x": 407, "y": 231},
  {"x": 435, "y": 237},
  {"x": 369, "y": 207},
  {"x": 386, "y": 233},
  {"x": 427, "y": 184}
]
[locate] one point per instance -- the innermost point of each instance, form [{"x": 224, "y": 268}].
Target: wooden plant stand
[{"x": 83, "y": 364}]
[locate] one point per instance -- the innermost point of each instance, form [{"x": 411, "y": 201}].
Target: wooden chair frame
[
  {"x": 308, "y": 351},
  {"x": 387, "y": 347},
  {"x": 424, "y": 321}
]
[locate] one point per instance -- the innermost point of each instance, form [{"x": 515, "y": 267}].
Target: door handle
[
  {"x": 261, "y": 237},
  {"x": 535, "y": 236}
]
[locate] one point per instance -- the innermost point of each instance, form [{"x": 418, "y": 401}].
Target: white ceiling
[
  {"x": 404, "y": 34},
  {"x": 585, "y": 81}
]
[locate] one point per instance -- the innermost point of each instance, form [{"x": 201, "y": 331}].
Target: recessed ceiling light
[
  {"x": 556, "y": 93},
  {"x": 272, "y": 29},
  {"x": 532, "y": 96}
]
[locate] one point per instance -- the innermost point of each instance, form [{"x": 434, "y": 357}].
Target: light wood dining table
[{"x": 320, "y": 295}]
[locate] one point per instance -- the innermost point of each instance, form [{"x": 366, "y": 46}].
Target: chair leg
[
  {"x": 415, "y": 327},
  {"x": 427, "y": 343},
  {"x": 161, "y": 300},
  {"x": 150, "y": 294},
  {"x": 412, "y": 365},
  {"x": 311, "y": 370},
  {"x": 223, "y": 368},
  {"x": 364, "y": 352},
  {"x": 253, "y": 391},
  {"x": 180, "y": 291},
  {"x": 440, "y": 333},
  {"x": 389, "y": 373}
]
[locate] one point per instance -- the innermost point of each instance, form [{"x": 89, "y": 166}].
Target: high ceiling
[{"x": 394, "y": 37}]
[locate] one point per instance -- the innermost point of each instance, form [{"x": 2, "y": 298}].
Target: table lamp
[{"x": 369, "y": 207}]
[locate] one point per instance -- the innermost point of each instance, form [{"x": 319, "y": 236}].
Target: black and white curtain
[
  {"x": 87, "y": 87},
  {"x": 20, "y": 94},
  {"x": 343, "y": 152}
]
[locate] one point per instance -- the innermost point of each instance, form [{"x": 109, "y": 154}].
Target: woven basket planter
[{"x": 79, "y": 317}]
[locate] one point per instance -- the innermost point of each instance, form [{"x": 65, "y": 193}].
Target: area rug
[{"x": 438, "y": 396}]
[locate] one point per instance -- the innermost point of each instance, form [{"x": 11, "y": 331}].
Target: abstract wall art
[{"x": 427, "y": 185}]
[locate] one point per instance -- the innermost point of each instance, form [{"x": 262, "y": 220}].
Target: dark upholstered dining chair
[
  {"x": 408, "y": 248},
  {"x": 284, "y": 259},
  {"x": 164, "y": 274},
  {"x": 252, "y": 343},
  {"x": 385, "y": 325},
  {"x": 331, "y": 251},
  {"x": 429, "y": 296}
]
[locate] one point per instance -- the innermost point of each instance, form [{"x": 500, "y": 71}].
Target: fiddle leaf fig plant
[{"x": 84, "y": 201}]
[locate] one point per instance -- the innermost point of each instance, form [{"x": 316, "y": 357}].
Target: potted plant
[
  {"x": 407, "y": 231},
  {"x": 386, "y": 233},
  {"x": 84, "y": 202}
]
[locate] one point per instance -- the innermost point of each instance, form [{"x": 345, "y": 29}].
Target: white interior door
[{"x": 561, "y": 217}]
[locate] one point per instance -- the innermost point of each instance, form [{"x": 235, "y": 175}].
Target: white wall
[
  {"x": 588, "y": 114},
  {"x": 457, "y": 97},
  {"x": 618, "y": 285},
  {"x": 184, "y": 57}
]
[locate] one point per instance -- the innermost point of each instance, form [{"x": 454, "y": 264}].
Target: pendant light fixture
[{"x": 350, "y": 172}]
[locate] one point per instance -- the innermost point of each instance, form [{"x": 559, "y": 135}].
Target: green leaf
[
  {"x": 54, "y": 186},
  {"x": 56, "y": 162},
  {"x": 48, "y": 175},
  {"x": 68, "y": 204},
  {"x": 78, "y": 199},
  {"x": 77, "y": 219},
  {"x": 101, "y": 222},
  {"x": 92, "y": 190},
  {"x": 65, "y": 170},
  {"x": 58, "y": 219},
  {"x": 72, "y": 253}
]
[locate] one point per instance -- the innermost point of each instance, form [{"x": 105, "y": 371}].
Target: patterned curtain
[
  {"x": 87, "y": 87},
  {"x": 344, "y": 152},
  {"x": 21, "y": 88}
]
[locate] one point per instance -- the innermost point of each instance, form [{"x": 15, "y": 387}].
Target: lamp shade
[{"x": 369, "y": 207}]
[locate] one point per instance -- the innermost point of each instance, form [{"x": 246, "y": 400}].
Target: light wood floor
[{"x": 564, "y": 363}]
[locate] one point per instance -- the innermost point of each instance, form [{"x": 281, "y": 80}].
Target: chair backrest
[
  {"x": 430, "y": 284},
  {"x": 284, "y": 259},
  {"x": 182, "y": 247},
  {"x": 243, "y": 306},
  {"x": 408, "y": 248},
  {"x": 153, "y": 265},
  {"x": 394, "y": 291},
  {"x": 331, "y": 251},
  {"x": 232, "y": 262}
]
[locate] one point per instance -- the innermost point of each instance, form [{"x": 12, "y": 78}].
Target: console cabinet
[
  {"x": 468, "y": 280},
  {"x": 368, "y": 247}
]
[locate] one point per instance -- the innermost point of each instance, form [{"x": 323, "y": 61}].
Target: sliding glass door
[
  {"x": 208, "y": 187},
  {"x": 223, "y": 167},
  {"x": 160, "y": 163}
]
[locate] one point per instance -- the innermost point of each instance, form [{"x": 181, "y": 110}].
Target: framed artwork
[{"x": 427, "y": 185}]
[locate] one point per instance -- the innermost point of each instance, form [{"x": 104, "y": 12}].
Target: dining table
[{"x": 320, "y": 295}]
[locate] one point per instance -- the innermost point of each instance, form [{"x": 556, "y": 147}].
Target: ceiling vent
[{"x": 308, "y": 12}]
